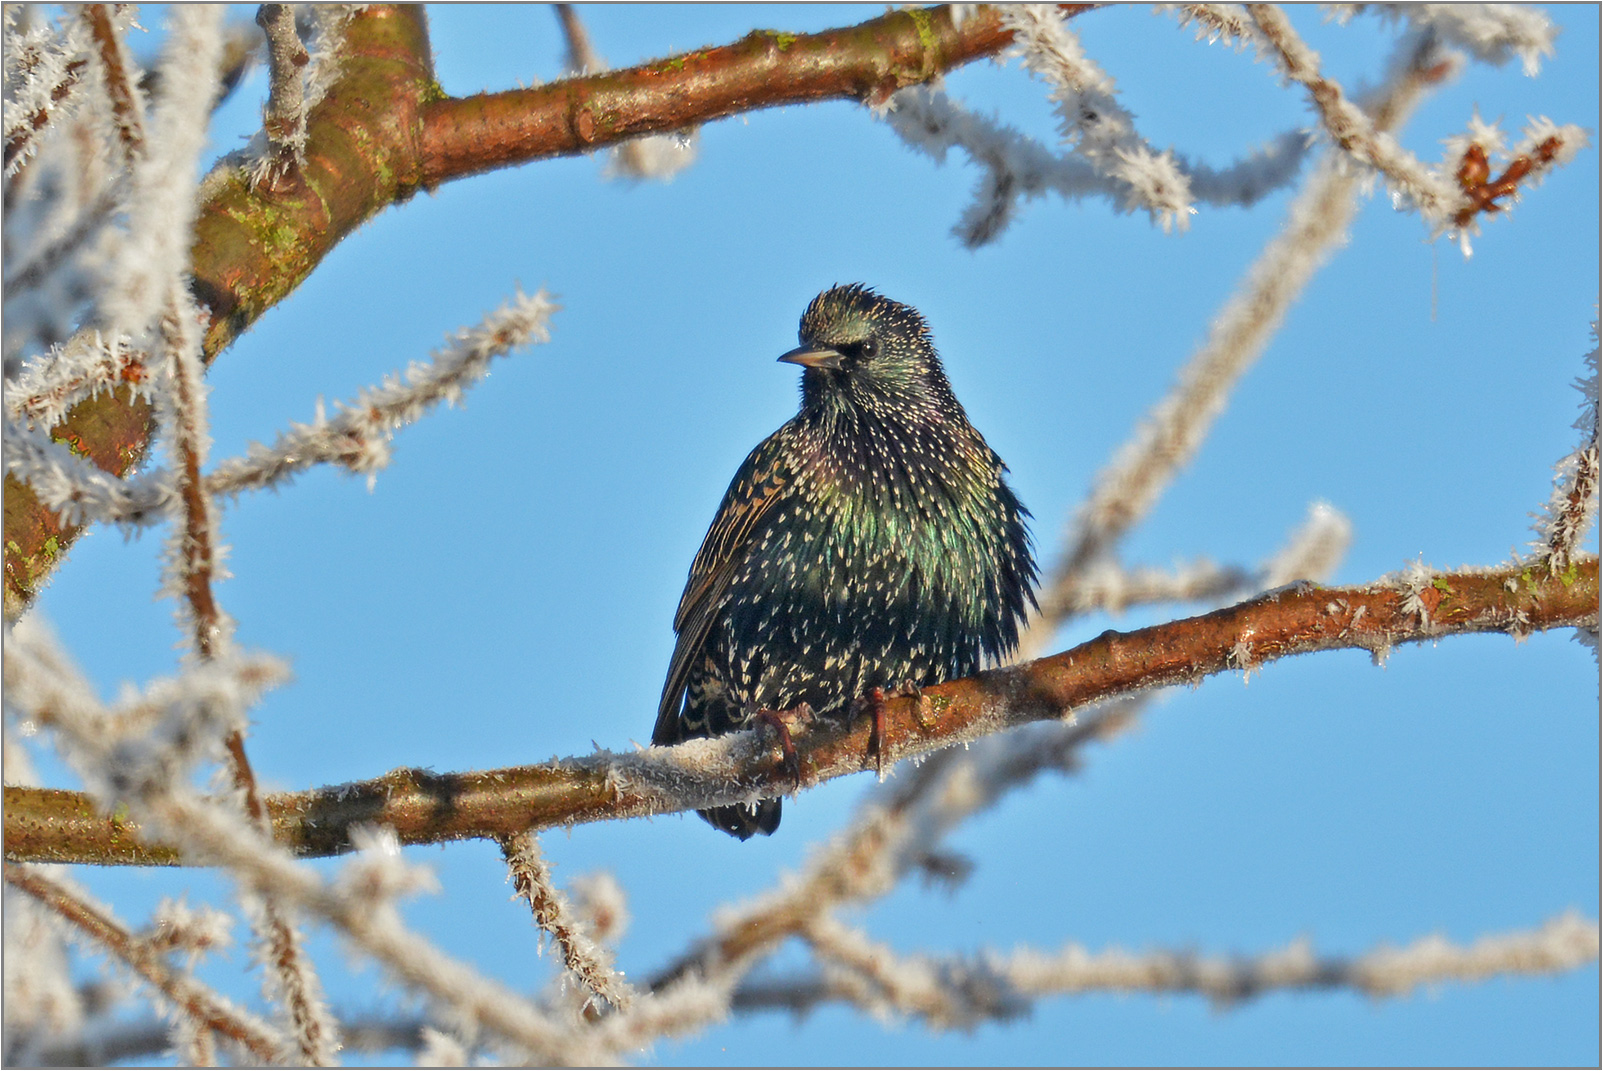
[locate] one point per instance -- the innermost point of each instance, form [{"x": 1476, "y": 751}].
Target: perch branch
[{"x": 48, "y": 825}]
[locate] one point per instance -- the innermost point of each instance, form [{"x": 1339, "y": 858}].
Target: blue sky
[{"x": 505, "y": 593}]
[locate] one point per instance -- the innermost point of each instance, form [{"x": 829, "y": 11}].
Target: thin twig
[
  {"x": 284, "y": 116},
  {"x": 589, "y": 962}
]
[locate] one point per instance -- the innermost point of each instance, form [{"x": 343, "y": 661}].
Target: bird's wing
[{"x": 761, "y": 483}]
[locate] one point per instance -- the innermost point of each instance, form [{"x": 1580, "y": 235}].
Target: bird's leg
[
  {"x": 876, "y": 736},
  {"x": 875, "y": 701},
  {"x": 776, "y": 720}
]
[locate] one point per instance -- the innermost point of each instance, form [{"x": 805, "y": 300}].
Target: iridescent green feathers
[{"x": 871, "y": 541}]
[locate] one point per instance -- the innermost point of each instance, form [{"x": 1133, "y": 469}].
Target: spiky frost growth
[
  {"x": 1227, "y": 24},
  {"x": 1572, "y": 509},
  {"x": 61, "y": 191},
  {"x": 51, "y": 383},
  {"x": 78, "y": 489},
  {"x": 43, "y": 83},
  {"x": 358, "y": 438},
  {"x": 291, "y": 985},
  {"x": 1092, "y": 119}
]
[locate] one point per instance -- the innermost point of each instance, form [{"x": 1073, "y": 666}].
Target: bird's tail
[{"x": 743, "y": 820}]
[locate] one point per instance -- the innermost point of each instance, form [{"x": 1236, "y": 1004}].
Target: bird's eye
[{"x": 870, "y": 347}]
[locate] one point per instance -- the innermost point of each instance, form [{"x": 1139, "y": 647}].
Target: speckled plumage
[{"x": 871, "y": 541}]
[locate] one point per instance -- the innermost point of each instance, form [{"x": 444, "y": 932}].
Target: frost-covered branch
[
  {"x": 903, "y": 828},
  {"x": 1175, "y": 428},
  {"x": 425, "y": 807},
  {"x": 1574, "y": 504},
  {"x": 1092, "y": 120},
  {"x": 146, "y": 958},
  {"x": 590, "y": 962},
  {"x": 42, "y": 78},
  {"x": 358, "y": 437},
  {"x": 79, "y": 368},
  {"x": 79, "y": 490},
  {"x": 959, "y": 992},
  {"x": 119, "y": 76},
  {"x": 1017, "y": 166}
]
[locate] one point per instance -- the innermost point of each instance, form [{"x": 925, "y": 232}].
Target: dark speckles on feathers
[{"x": 871, "y": 541}]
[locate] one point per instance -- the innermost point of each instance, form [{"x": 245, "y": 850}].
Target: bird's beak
[{"x": 814, "y": 357}]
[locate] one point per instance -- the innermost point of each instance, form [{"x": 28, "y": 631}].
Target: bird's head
[{"x": 861, "y": 349}]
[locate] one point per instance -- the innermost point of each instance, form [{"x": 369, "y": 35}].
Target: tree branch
[
  {"x": 764, "y": 69},
  {"x": 46, "y": 825}
]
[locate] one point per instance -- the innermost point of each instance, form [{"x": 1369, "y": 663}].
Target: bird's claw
[{"x": 775, "y": 719}]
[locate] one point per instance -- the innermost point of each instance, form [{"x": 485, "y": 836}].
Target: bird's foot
[
  {"x": 921, "y": 704},
  {"x": 778, "y": 721}
]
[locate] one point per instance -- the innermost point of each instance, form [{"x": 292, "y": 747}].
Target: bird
[{"x": 872, "y": 542}]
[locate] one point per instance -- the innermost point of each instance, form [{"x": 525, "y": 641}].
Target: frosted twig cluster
[
  {"x": 1017, "y": 166},
  {"x": 1492, "y": 33},
  {"x": 1446, "y": 205},
  {"x": 1174, "y": 429},
  {"x": 190, "y": 998}
]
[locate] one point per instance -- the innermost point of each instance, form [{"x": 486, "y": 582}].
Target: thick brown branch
[
  {"x": 764, "y": 69},
  {"x": 423, "y": 807}
]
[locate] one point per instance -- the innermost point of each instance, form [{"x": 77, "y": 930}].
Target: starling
[{"x": 870, "y": 543}]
